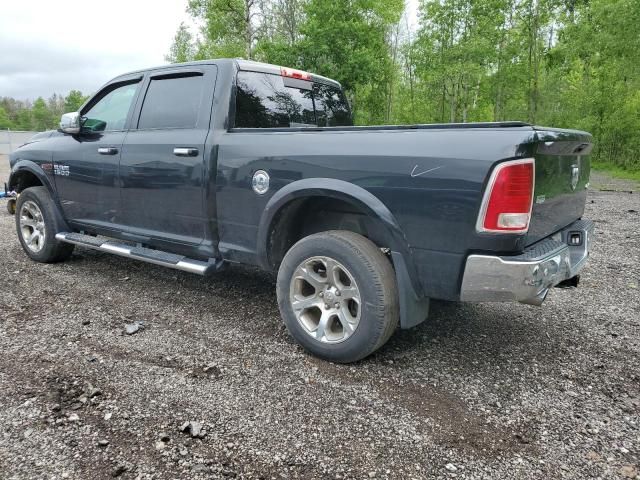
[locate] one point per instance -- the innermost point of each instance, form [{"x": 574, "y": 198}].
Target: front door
[
  {"x": 162, "y": 168},
  {"x": 86, "y": 165}
]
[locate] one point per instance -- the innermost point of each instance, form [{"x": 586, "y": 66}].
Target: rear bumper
[{"x": 527, "y": 277}]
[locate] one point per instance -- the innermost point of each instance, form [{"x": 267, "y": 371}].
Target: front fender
[
  {"x": 28, "y": 166},
  {"x": 413, "y": 305}
]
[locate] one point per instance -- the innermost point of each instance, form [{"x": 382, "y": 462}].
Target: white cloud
[{"x": 48, "y": 46}]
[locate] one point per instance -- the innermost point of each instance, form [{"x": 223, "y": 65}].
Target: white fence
[{"x": 11, "y": 139}]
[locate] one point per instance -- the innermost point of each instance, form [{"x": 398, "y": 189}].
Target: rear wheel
[
  {"x": 37, "y": 222},
  {"x": 337, "y": 295}
]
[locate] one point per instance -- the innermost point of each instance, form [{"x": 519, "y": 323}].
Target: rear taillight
[{"x": 507, "y": 202}]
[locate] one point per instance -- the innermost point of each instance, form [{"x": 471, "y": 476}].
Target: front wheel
[
  {"x": 37, "y": 222},
  {"x": 11, "y": 206},
  {"x": 337, "y": 295}
]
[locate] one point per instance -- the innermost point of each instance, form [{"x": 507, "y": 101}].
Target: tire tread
[
  {"x": 380, "y": 276},
  {"x": 54, "y": 251}
]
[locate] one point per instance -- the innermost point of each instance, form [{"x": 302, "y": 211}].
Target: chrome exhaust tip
[{"x": 537, "y": 300}]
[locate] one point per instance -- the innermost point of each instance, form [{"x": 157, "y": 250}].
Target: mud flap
[{"x": 414, "y": 309}]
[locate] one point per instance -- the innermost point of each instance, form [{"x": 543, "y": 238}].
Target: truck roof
[
  {"x": 252, "y": 66},
  {"x": 239, "y": 63}
]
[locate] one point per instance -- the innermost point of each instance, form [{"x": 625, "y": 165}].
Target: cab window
[
  {"x": 332, "y": 109},
  {"x": 111, "y": 111},
  {"x": 172, "y": 102},
  {"x": 264, "y": 101}
]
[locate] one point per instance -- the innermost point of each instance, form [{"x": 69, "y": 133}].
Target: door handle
[
  {"x": 107, "y": 150},
  {"x": 185, "y": 152}
]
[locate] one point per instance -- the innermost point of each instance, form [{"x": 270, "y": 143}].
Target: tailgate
[{"x": 562, "y": 176}]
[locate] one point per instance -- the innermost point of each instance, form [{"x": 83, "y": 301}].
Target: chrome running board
[{"x": 157, "y": 257}]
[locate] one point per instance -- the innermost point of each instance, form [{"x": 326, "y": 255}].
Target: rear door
[{"x": 162, "y": 171}]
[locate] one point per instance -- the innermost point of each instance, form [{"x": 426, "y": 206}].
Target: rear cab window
[
  {"x": 332, "y": 109},
  {"x": 265, "y": 100}
]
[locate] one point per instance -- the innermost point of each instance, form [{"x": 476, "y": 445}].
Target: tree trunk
[{"x": 248, "y": 28}]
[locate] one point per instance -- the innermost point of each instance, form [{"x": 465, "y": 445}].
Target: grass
[{"x": 616, "y": 171}]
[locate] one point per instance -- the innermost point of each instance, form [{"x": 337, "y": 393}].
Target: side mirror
[{"x": 70, "y": 123}]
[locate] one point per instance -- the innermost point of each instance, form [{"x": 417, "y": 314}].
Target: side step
[{"x": 148, "y": 255}]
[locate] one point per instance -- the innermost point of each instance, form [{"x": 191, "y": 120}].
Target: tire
[
  {"x": 337, "y": 295},
  {"x": 11, "y": 206},
  {"x": 37, "y": 223}
]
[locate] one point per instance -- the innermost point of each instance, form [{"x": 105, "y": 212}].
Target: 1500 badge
[{"x": 62, "y": 170}]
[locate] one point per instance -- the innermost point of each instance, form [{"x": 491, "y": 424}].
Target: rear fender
[{"x": 413, "y": 304}]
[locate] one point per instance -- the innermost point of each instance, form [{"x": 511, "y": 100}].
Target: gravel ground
[{"x": 478, "y": 391}]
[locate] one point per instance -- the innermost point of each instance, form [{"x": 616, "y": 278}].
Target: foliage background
[
  {"x": 38, "y": 115},
  {"x": 562, "y": 63}
]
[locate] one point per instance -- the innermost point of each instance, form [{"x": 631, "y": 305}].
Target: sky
[{"x": 50, "y": 46}]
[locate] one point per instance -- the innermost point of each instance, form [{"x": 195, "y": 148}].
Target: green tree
[
  {"x": 41, "y": 115},
  {"x": 280, "y": 35},
  {"x": 182, "y": 48},
  {"x": 74, "y": 101},
  {"x": 55, "y": 103},
  {"x": 24, "y": 118},
  {"x": 228, "y": 27},
  {"x": 348, "y": 40},
  {"x": 565, "y": 63},
  {"x": 5, "y": 122},
  {"x": 593, "y": 80}
]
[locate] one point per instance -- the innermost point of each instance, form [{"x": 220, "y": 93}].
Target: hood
[{"x": 40, "y": 136}]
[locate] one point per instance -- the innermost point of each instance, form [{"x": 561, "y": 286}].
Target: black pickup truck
[{"x": 195, "y": 166}]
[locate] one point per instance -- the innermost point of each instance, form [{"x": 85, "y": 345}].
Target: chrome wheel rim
[
  {"x": 325, "y": 299},
  {"x": 32, "y": 226}
]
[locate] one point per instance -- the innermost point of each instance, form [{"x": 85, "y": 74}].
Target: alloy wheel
[
  {"x": 32, "y": 227},
  {"x": 325, "y": 299}
]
